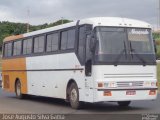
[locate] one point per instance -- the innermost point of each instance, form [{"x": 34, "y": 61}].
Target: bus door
[{"x": 88, "y": 71}]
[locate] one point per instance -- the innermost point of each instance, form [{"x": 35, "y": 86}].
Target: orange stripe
[
  {"x": 15, "y": 64},
  {"x": 14, "y": 37}
]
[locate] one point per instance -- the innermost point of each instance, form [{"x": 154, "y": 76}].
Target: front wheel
[
  {"x": 74, "y": 96},
  {"x": 18, "y": 90},
  {"x": 124, "y": 103}
]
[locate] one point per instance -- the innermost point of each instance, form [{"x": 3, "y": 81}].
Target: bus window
[
  {"x": 64, "y": 40},
  {"x": 71, "y": 39},
  {"x": 68, "y": 39},
  {"x": 52, "y": 42},
  {"x": 27, "y": 46},
  {"x": 8, "y": 49},
  {"x": 17, "y": 47},
  {"x": 39, "y": 44}
]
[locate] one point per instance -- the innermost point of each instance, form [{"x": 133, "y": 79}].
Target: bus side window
[
  {"x": 64, "y": 40},
  {"x": 5, "y": 50},
  {"x": 8, "y": 49},
  {"x": 52, "y": 42},
  {"x": 71, "y": 39},
  {"x": 17, "y": 46},
  {"x": 39, "y": 44},
  {"x": 27, "y": 46},
  {"x": 67, "y": 39}
]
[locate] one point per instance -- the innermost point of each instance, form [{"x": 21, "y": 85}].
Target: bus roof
[{"x": 97, "y": 21}]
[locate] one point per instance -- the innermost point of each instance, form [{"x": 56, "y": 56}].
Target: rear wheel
[
  {"x": 74, "y": 96},
  {"x": 124, "y": 103},
  {"x": 18, "y": 90}
]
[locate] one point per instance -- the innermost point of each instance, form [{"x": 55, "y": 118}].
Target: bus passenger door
[{"x": 88, "y": 71}]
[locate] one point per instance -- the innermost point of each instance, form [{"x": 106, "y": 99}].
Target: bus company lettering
[{"x": 139, "y": 32}]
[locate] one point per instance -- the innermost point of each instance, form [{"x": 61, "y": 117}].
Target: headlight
[
  {"x": 110, "y": 85},
  {"x": 147, "y": 83},
  {"x": 153, "y": 83},
  {"x": 150, "y": 84}
]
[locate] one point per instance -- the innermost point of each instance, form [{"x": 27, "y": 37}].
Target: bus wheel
[
  {"x": 74, "y": 96},
  {"x": 18, "y": 90},
  {"x": 124, "y": 103}
]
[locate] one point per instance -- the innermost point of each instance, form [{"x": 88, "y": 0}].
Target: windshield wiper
[
  {"x": 137, "y": 55},
  {"x": 120, "y": 55}
]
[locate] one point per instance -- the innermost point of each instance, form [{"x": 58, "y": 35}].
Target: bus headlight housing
[
  {"x": 110, "y": 85},
  {"x": 150, "y": 84}
]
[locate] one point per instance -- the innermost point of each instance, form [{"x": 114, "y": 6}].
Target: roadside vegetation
[{"x": 156, "y": 36}]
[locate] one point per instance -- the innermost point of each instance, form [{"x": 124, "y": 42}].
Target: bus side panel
[
  {"x": 11, "y": 70},
  {"x": 50, "y": 74}
]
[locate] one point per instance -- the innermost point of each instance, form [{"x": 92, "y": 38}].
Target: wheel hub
[
  {"x": 18, "y": 89},
  {"x": 73, "y": 95}
]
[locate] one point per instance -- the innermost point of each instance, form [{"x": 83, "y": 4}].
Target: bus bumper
[{"x": 125, "y": 95}]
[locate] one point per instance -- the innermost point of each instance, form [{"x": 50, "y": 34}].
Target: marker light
[
  {"x": 148, "y": 84},
  {"x": 153, "y": 83}
]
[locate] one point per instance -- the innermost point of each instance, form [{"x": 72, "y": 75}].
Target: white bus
[{"x": 90, "y": 60}]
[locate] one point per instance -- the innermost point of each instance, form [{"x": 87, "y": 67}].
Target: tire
[
  {"x": 124, "y": 103},
  {"x": 19, "y": 95},
  {"x": 74, "y": 96}
]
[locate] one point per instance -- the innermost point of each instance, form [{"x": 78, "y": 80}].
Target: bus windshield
[{"x": 124, "y": 45}]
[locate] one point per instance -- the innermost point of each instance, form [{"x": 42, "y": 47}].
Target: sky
[{"x": 47, "y": 11}]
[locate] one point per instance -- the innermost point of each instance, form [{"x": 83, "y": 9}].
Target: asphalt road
[{"x": 10, "y": 104}]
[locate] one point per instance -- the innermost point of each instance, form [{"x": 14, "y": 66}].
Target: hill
[{"x": 11, "y": 28}]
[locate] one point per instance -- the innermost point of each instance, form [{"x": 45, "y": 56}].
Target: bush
[
  {"x": 158, "y": 42},
  {"x": 158, "y": 51}
]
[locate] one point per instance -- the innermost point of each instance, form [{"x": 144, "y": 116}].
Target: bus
[{"x": 90, "y": 60}]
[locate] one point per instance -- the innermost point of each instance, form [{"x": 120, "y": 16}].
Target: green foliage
[
  {"x": 11, "y": 28},
  {"x": 156, "y": 36},
  {"x": 158, "y": 51}
]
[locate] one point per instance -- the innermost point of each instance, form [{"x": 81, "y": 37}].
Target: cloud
[{"x": 42, "y": 11}]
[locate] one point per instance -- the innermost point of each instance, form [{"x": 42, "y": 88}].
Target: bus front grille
[{"x": 130, "y": 75}]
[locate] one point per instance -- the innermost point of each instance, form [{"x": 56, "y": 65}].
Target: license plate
[{"x": 130, "y": 92}]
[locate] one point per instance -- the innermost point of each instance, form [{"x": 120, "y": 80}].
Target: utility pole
[
  {"x": 62, "y": 19},
  {"x": 28, "y": 13}
]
